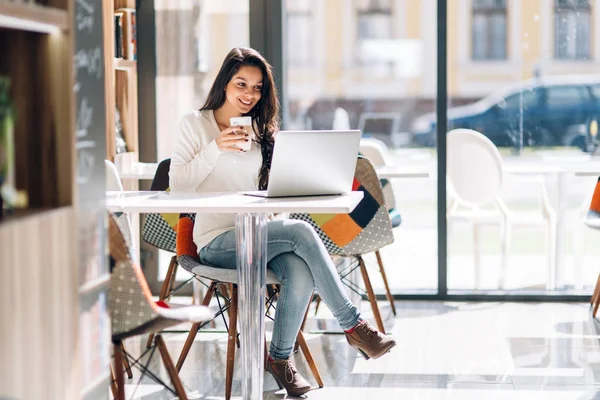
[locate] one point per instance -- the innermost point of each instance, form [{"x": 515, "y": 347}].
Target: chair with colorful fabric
[
  {"x": 187, "y": 257},
  {"x": 133, "y": 312},
  {"x": 365, "y": 230},
  {"x": 377, "y": 152},
  {"x": 592, "y": 220}
]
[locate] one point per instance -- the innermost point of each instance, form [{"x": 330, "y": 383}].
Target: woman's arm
[{"x": 193, "y": 157}]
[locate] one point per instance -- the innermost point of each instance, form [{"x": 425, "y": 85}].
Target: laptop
[{"x": 312, "y": 163}]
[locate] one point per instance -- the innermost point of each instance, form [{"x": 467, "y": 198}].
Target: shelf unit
[
  {"x": 33, "y": 17},
  {"x": 121, "y": 89},
  {"x": 42, "y": 249}
]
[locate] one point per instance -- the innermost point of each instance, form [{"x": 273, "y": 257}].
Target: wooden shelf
[
  {"x": 33, "y": 18},
  {"x": 125, "y": 65}
]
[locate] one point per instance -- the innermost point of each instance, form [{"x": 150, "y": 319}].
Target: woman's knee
[
  {"x": 304, "y": 233},
  {"x": 293, "y": 273}
]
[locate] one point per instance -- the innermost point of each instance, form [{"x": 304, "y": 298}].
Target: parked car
[{"x": 548, "y": 111}]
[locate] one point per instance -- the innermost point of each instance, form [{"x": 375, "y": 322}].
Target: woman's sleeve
[{"x": 193, "y": 157}]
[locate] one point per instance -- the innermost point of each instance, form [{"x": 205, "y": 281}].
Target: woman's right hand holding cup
[{"x": 232, "y": 139}]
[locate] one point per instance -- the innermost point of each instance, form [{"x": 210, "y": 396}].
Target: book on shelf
[
  {"x": 118, "y": 35},
  {"x": 127, "y": 44}
]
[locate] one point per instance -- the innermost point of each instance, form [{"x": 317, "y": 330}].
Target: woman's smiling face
[{"x": 243, "y": 91}]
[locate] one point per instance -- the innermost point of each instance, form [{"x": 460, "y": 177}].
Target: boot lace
[
  {"x": 290, "y": 371},
  {"x": 366, "y": 329}
]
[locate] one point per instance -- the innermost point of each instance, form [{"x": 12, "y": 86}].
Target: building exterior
[{"x": 379, "y": 56}]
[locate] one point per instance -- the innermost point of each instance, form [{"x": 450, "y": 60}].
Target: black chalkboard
[{"x": 90, "y": 131}]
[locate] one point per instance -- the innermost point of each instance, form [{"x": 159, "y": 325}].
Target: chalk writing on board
[
  {"x": 88, "y": 63},
  {"x": 85, "y": 116},
  {"x": 86, "y": 160},
  {"x": 85, "y": 15},
  {"x": 91, "y": 60}
]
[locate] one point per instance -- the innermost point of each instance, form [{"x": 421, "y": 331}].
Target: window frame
[{"x": 572, "y": 6}]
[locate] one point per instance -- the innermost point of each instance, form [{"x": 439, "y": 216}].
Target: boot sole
[{"x": 366, "y": 357}]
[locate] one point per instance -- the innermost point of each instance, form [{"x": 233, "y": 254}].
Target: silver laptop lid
[{"x": 309, "y": 163}]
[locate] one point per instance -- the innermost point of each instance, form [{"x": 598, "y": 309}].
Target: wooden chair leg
[
  {"x": 126, "y": 362},
  {"x": 594, "y": 298},
  {"x": 120, "y": 379},
  {"x": 388, "y": 293},
  {"x": 318, "y": 301},
  {"x": 165, "y": 290},
  {"x": 113, "y": 383},
  {"x": 371, "y": 295},
  {"x": 231, "y": 342},
  {"x": 309, "y": 359},
  {"x": 194, "y": 329},
  {"x": 175, "y": 380}
]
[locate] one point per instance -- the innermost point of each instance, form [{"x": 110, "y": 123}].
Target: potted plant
[{"x": 7, "y": 146}]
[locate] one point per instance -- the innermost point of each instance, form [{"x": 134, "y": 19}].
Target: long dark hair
[{"x": 265, "y": 113}]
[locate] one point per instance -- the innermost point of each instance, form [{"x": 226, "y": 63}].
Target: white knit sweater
[{"x": 198, "y": 165}]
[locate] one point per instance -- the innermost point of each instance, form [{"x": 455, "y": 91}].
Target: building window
[
  {"x": 489, "y": 30},
  {"x": 373, "y": 23},
  {"x": 300, "y": 32},
  {"x": 572, "y": 29}
]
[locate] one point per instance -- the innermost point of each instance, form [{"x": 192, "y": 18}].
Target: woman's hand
[{"x": 232, "y": 139}]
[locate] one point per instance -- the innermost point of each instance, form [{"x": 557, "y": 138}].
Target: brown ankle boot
[
  {"x": 286, "y": 376},
  {"x": 369, "y": 342}
]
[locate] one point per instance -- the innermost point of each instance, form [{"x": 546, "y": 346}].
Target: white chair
[
  {"x": 341, "y": 120},
  {"x": 376, "y": 151},
  {"x": 475, "y": 177},
  {"x": 113, "y": 184}
]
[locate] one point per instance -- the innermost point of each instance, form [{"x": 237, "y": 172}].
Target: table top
[
  {"x": 404, "y": 171},
  {"x": 235, "y": 203}
]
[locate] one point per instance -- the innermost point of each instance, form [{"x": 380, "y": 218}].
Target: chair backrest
[
  {"x": 159, "y": 229},
  {"x": 187, "y": 251},
  {"x": 474, "y": 167},
  {"x": 341, "y": 119},
  {"x": 130, "y": 301},
  {"x": 113, "y": 183},
  {"x": 592, "y": 219},
  {"x": 367, "y": 228},
  {"x": 375, "y": 150}
]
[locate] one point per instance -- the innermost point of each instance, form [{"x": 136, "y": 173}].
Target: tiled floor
[{"x": 479, "y": 351}]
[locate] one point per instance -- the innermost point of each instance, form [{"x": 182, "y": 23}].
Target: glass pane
[
  {"x": 192, "y": 39},
  {"x": 515, "y": 220},
  {"x": 375, "y": 71}
]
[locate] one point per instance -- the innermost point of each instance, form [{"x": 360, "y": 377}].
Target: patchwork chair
[
  {"x": 187, "y": 257},
  {"x": 592, "y": 220},
  {"x": 133, "y": 312},
  {"x": 113, "y": 183},
  {"x": 365, "y": 230}
]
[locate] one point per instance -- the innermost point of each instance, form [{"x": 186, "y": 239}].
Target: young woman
[{"x": 207, "y": 158}]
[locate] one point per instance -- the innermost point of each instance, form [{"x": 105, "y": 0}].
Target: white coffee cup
[{"x": 246, "y": 123}]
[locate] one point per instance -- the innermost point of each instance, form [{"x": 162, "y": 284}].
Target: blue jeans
[{"x": 297, "y": 256}]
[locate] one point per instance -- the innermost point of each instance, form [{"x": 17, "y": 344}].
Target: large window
[
  {"x": 572, "y": 29},
  {"x": 373, "y": 25},
  {"x": 489, "y": 30},
  {"x": 301, "y": 44}
]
